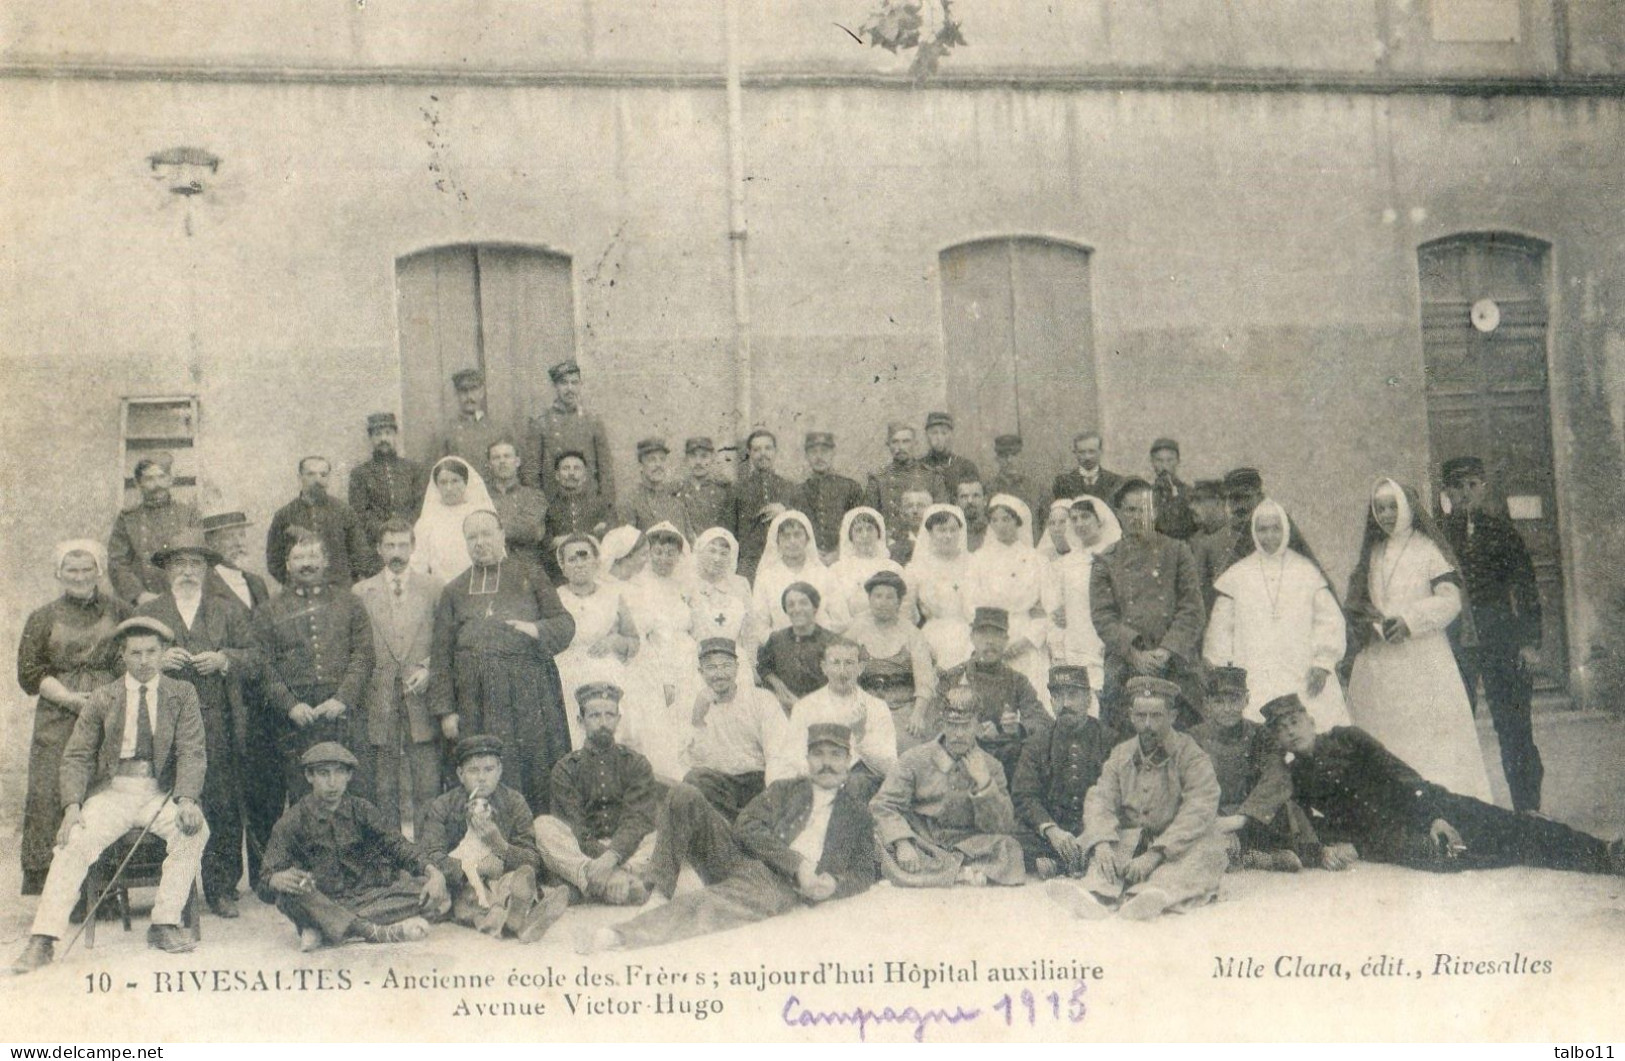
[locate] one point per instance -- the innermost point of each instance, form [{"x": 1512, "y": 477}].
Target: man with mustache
[
  {"x": 315, "y": 642},
  {"x": 943, "y": 816},
  {"x": 904, "y": 473},
  {"x": 140, "y": 531},
  {"x": 388, "y": 485},
  {"x": 402, "y": 734},
  {"x": 566, "y": 427},
  {"x": 654, "y": 499},
  {"x": 328, "y": 518},
  {"x": 1149, "y": 823},
  {"x": 759, "y": 494},
  {"x": 469, "y": 437},
  {"x": 604, "y": 801},
  {"x": 735, "y": 729},
  {"x": 227, "y": 534},
  {"x": 804, "y": 841},
  {"x": 214, "y": 651}
]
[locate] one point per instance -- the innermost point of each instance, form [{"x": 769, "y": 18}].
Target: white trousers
[
  {"x": 128, "y": 803},
  {"x": 562, "y": 853}
]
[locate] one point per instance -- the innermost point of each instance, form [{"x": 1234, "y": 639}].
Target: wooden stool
[{"x": 145, "y": 869}]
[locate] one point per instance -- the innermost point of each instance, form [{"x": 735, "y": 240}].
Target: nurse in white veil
[
  {"x": 939, "y": 576},
  {"x": 1276, "y": 617},
  {"x": 1008, "y": 573},
  {"x": 1091, "y": 528},
  {"x": 455, "y": 492}
]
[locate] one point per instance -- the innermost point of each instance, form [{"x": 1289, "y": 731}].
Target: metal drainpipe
[{"x": 736, "y": 227}]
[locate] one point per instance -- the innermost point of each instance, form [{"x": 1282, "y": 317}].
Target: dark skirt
[
  {"x": 515, "y": 695},
  {"x": 42, "y": 811}
]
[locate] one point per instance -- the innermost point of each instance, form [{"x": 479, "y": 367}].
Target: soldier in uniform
[
  {"x": 522, "y": 509},
  {"x": 319, "y": 513},
  {"x": 759, "y": 496},
  {"x": 315, "y": 642},
  {"x": 1149, "y": 823},
  {"x": 574, "y": 506},
  {"x": 1173, "y": 494},
  {"x": 1057, "y": 767},
  {"x": 214, "y": 651},
  {"x": 1254, "y": 787},
  {"x": 1147, "y": 606},
  {"x": 1012, "y": 479},
  {"x": 652, "y": 499},
  {"x": 904, "y": 473},
  {"x": 1208, "y": 509},
  {"x": 1366, "y": 803},
  {"x": 1505, "y": 599},
  {"x": 141, "y": 531},
  {"x": 943, "y": 815},
  {"x": 469, "y": 437},
  {"x": 826, "y": 496},
  {"x": 971, "y": 497},
  {"x": 1088, "y": 477},
  {"x": 385, "y": 486},
  {"x": 704, "y": 493},
  {"x": 940, "y": 456},
  {"x": 599, "y": 832},
  {"x": 1010, "y": 711},
  {"x": 566, "y": 427},
  {"x": 1242, "y": 490}
]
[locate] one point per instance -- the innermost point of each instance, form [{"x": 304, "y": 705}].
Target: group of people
[{"x": 567, "y": 695}]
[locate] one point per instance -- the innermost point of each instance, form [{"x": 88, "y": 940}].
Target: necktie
[
  {"x": 143, "y": 728},
  {"x": 399, "y": 589}
]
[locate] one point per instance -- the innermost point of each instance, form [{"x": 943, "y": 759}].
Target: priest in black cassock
[{"x": 497, "y": 627}]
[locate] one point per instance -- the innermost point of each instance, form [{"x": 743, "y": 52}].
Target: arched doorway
[
  {"x": 1485, "y": 315},
  {"x": 507, "y": 310}
]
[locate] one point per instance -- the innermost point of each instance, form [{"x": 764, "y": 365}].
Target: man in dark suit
[
  {"x": 317, "y": 512},
  {"x": 1057, "y": 767},
  {"x": 402, "y": 734},
  {"x": 1505, "y": 602},
  {"x": 213, "y": 649},
  {"x": 137, "y": 757},
  {"x": 757, "y": 497},
  {"x": 803, "y": 841},
  {"x": 387, "y": 486},
  {"x": 226, "y": 533},
  {"x": 1088, "y": 477}
]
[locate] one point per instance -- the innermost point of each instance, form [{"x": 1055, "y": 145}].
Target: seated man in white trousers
[{"x": 138, "y": 751}]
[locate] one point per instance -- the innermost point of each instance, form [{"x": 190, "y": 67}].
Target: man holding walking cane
[{"x": 138, "y": 751}]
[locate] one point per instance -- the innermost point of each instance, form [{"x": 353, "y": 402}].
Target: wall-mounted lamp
[{"x": 182, "y": 169}]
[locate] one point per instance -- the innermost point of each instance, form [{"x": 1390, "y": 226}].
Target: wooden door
[
  {"x": 1018, "y": 333},
  {"x": 1487, "y": 396},
  {"x": 509, "y": 311}
]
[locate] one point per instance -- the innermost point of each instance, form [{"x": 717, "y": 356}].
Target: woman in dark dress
[
  {"x": 67, "y": 650},
  {"x": 791, "y": 661}
]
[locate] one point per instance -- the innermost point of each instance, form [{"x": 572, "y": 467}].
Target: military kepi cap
[
  {"x": 718, "y": 646},
  {"x": 563, "y": 369},
  {"x": 598, "y": 691},
  {"x": 959, "y": 705},
  {"x": 1146, "y": 686},
  {"x": 991, "y": 619},
  {"x": 328, "y": 751},
  {"x": 1207, "y": 488},
  {"x": 467, "y": 379},
  {"x": 380, "y": 421},
  {"x": 1165, "y": 443},
  {"x": 1458, "y": 468},
  {"x": 652, "y": 445},
  {"x": 478, "y": 744},
  {"x": 1066, "y": 676},
  {"x": 819, "y": 438},
  {"x": 699, "y": 444},
  {"x": 938, "y": 420},
  {"x": 141, "y": 624},
  {"x": 829, "y": 733},
  {"x": 1243, "y": 479},
  {"x": 1282, "y": 708},
  {"x": 1007, "y": 445},
  {"x": 1227, "y": 681}
]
